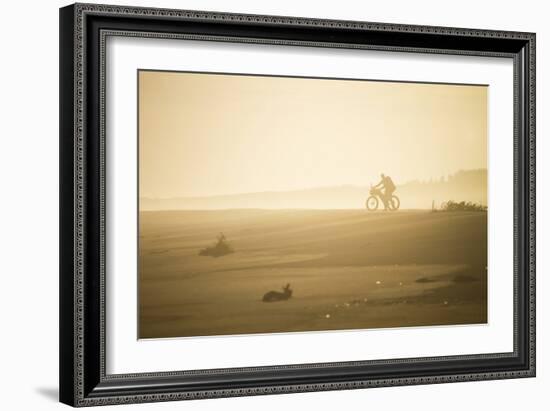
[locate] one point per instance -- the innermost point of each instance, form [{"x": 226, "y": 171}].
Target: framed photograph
[{"x": 261, "y": 204}]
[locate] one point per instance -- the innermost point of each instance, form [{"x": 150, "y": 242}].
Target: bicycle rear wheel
[{"x": 394, "y": 203}]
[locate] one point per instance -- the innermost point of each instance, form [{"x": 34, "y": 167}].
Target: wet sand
[{"x": 348, "y": 269}]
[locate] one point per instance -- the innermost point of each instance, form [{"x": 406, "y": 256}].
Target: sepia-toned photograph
[{"x": 273, "y": 204}]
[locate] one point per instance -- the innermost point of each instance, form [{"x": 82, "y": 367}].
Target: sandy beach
[{"x": 348, "y": 269}]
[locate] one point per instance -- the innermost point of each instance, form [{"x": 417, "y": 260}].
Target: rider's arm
[{"x": 380, "y": 184}]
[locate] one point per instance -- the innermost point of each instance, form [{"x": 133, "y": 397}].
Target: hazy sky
[{"x": 206, "y": 134}]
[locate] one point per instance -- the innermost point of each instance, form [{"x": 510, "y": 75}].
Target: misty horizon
[
  {"x": 435, "y": 179},
  {"x": 464, "y": 185}
]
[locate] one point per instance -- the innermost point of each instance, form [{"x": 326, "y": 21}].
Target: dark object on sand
[
  {"x": 425, "y": 280},
  {"x": 220, "y": 249},
  {"x": 462, "y": 206},
  {"x": 273, "y": 296},
  {"x": 463, "y": 278}
]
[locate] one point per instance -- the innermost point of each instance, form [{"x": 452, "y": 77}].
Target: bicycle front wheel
[{"x": 372, "y": 203}]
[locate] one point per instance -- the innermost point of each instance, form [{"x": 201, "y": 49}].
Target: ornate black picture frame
[{"x": 83, "y": 30}]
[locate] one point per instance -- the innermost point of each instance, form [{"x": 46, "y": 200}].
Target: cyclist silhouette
[{"x": 389, "y": 187}]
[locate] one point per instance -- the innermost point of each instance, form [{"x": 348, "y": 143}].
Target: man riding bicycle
[{"x": 389, "y": 188}]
